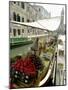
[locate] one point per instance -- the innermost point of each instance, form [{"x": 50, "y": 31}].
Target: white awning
[
  {"x": 60, "y": 47},
  {"x": 47, "y": 24},
  {"x": 62, "y": 37}
]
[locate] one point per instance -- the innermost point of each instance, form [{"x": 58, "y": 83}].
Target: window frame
[
  {"x": 19, "y": 32},
  {"x": 18, "y": 17},
  {"x": 23, "y": 5},
  {"x": 14, "y": 32},
  {"x": 22, "y": 19},
  {"x": 14, "y": 16}
]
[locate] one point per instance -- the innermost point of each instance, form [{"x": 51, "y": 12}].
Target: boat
[{"x": 14, "y": 42}]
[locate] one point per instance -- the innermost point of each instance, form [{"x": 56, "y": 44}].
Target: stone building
[{"x": 25, "y": 12}]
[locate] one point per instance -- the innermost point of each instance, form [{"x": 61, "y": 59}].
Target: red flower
[
  {"x": 29, "y": 67},
  {"x": 12, "y": 85},
  {"x": 25, "y": 66}
]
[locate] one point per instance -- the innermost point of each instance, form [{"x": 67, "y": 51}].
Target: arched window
[
  {"x": 14, "y": 16},
  {"x": 18, "y": 18}
]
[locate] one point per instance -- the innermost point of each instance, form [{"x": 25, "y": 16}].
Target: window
[
  {"x": 19, "y": 32},
  {"x": 14, "y": 2},
  {"x": 60, "y": 42},
  {"x": 28, "y": 8},
  {"x": 22, "y": 19},
  {"x": 14, "y": 16},
  {"x": 14, "y": 32},
  {"x": 65, "y": 32},
  {"x": 28, "y": 31},
  {"x": 10, "y": 30},
  {"x": 33, "y": 20},
  {"x": 28, "y": 20},
  {"x": 39, "y": 9},
  {"x": 61, "y": 53},
  {"x": 22, "y": 5},
  {"x": 18, "y": 3},
  {"x": 18, "y": 18},
  {"x": 22, "y": 30}
]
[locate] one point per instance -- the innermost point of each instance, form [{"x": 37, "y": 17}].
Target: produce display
[
  {"x": 28, "y": 70},
  {"x": 25, "y": 70}
]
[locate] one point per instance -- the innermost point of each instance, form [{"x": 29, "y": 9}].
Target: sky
[{"x": 53, "y": 9}]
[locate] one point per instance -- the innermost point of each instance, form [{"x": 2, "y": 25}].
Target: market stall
[{"x": 35, "y": 68}]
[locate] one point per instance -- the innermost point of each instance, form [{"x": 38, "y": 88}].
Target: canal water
[{"x": 20, "y": 50}]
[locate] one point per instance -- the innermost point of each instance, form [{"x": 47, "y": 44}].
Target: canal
[{"x": 20, "y": 50}]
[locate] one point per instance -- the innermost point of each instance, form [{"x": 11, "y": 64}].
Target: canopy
[
  {"x": 50, "y": 24},
  {"x": 60, "y": 47},
  {"x": 62, "y": 37}
]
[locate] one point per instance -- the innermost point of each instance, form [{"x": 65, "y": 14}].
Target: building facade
[{"x": 25, "y": 12}]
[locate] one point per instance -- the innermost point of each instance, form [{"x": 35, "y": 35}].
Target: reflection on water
[{"x": 19, "y": 50}]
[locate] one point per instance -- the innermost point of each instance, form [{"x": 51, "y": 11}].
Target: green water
[{"x": 20, "y": 50}]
